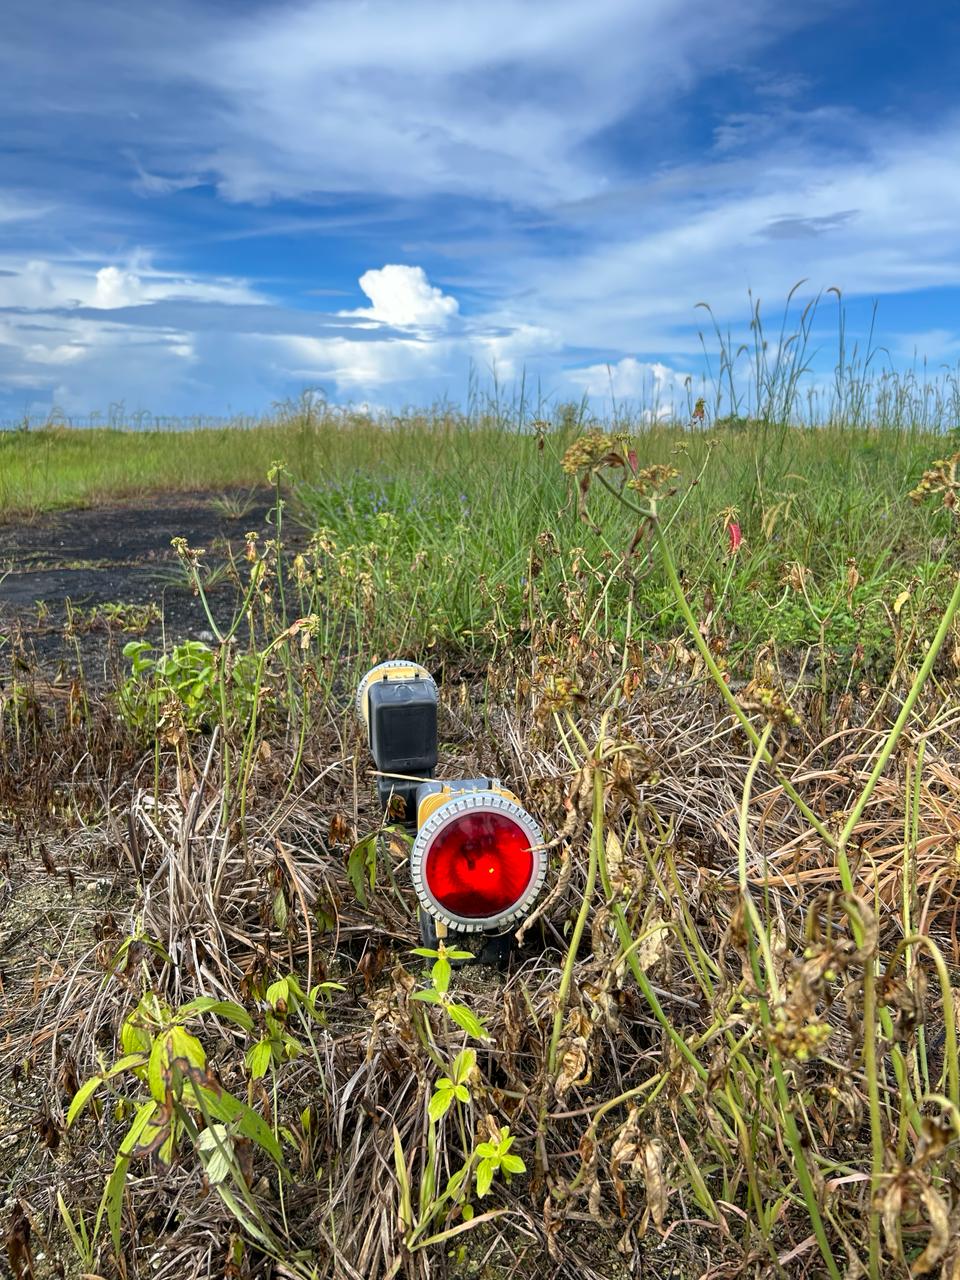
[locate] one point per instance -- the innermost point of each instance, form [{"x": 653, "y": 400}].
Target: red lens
[{"x": 479, "y": 865}]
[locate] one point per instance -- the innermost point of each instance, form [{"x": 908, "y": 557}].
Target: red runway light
[
  {"x": 478, "y": 862},
  {"x": 480, "y": 865}
]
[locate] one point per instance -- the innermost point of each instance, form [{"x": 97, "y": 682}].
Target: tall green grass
[{"x": 446, "y": 527}]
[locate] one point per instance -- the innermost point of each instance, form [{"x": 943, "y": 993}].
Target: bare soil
[{"x": 78, "y": 561}]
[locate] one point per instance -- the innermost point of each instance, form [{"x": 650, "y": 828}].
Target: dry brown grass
[{"x": 611, "y": 1186}]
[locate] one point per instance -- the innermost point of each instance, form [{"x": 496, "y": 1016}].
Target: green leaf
[
  {"x": 129, "y": 1062},
  {"x": 183, "y": 1045},
  {"x": 440, "y": 1104},
  {"x": 82, "y": 1097},
  {"x": 513, "y": 1164},
  {"x": 484, "y": 1177},
  {"x": 222, "y": 1008},
  {"x": 461, "y": 1092},
  {"x": 426, "y": 952},
  {"x": 155, "y": 1069},
  {"x": 428, "y": 997},
  {"x": 224, "y": 1106},
  {"x": 112, "y": 1199},
  {"x": 463, "y": 1064},
  {"x": 258, "y": 1059},
  {"x": 77, "y": 1230},
  {"x": 323, "y": 988},
  {"x": 468, "y": 1020},
  {"x": 440, "y": 975},
  {"x": 403, "y": 1178},
  {"x": 216, "y": 1152},
  {"x": 460, "y": 955},
  {"x": 280, "y": 912},
  {"x": 278, "y": 991},
  {"x": 362, "y": 866}
]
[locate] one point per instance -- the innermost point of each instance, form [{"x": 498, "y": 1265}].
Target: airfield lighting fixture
[{"x": 478, "y": 861}]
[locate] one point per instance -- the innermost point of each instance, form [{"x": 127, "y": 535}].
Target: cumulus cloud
[
  {"x": 658, "y": 390},
  {"x": 403, "y": 296},
  {"x": 116, "y": 288},
  {"x": 79, "y": 335}
]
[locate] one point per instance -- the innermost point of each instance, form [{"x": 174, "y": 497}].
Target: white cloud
[
  {"x": 886, "y": 222},
  {"x": 55, "y": 347},
  {"x": 403, "y": 296},
  {"x": 584, "y": 248},
  {"x": 504, "y": 353},
  {"x": 659, "y": 390},
  {"x": 44, "y": 284},
  {"x": 116, "y": 288},
  {"x": 499, "y": 99}
]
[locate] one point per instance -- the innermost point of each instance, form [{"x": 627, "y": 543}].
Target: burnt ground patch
[{"x": 75, "y": 585}]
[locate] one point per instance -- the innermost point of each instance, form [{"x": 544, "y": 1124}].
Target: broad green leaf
[
  {"x": 134, "y": 1038},
  {"x": 463, "y": 1064},
  {"x": 278, "y": 991},
  {"x": 224, "y": 1106},
  {"x": 428, "y": 997},
  {"x": 216, "y": 1152},
  {"x": 440, "y": 975},
  {"x": 258, "y": 1059},
  {"x": 128, "y": 1062},
  {"x": 183, "y": 1045},
  {"x": 362, "y": 866},
  {"x": 440, "y": 1104},
  {"x": 221, "y": 1008},
  {"x": 468, "y": 1020},
  {"x": 280, "y": 912},
  {"x": 513, "y": 1164},
  {"x": 484, "y": 1176},
  {"x": 322, "y": 988},
  {"x": 461, "y": 1092},
  {"x": 156, "y": 1068}
]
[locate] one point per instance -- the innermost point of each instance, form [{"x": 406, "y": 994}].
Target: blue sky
[{"x": 206, "y": 207}]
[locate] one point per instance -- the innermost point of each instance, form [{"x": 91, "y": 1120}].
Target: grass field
[
  {"x": 719, "y": 664},
  {"x": 447, "y": 512}
]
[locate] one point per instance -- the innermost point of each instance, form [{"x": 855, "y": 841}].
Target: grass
[
  {"x": 470, "y": 522},
  {"x": 728, "y": 1045}
]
